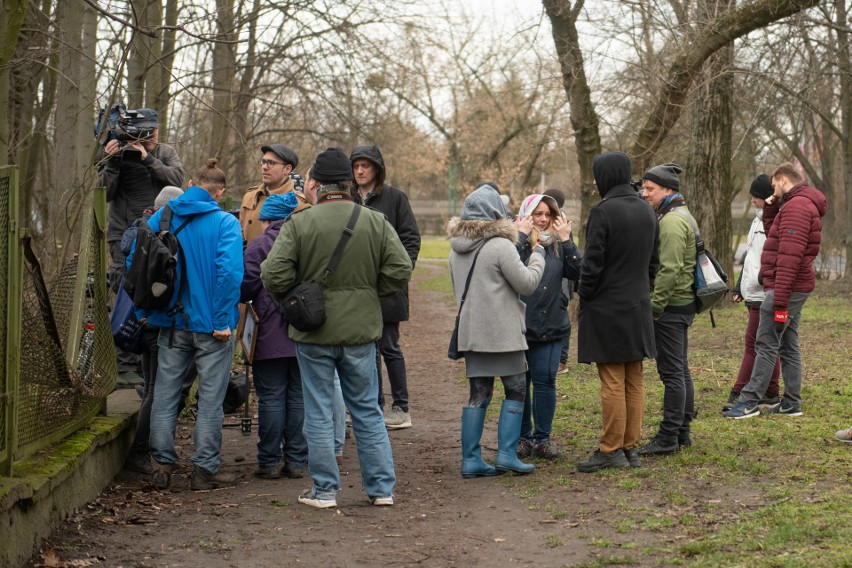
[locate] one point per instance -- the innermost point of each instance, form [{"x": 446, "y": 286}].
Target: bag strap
[
  {"x": 699, "y": 242},
  {"x": 467, "y": 281},
  {"x": 341, "y": 244}
]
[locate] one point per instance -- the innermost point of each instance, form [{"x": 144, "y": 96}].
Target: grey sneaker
[
  {"x": 602, "y": 460},
  {"x": 292, "y": 471},
  {"x": 271, "y": 472},
  {"x": 784, "y": 408},
  {"x": 202, "y": 479},
  {"x": 546, "y": 449},
  {"x": 397, "y": 419},
  {"x": 732, "y": 400},
  {"x": 658, "y": 447},
  {"x": 742, "y": 410},
  {"x": 770, "y": 399},
  {"x": 382, "y": 501},
  {"x": 844, "y": 436},
  {"x": 524, "y": 449},
  {"x": 161, "y": 474},
  {"x": 313, "y": 500},
  {"x": 139, "y": 462}
]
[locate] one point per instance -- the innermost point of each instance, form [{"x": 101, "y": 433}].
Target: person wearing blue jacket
[{"x": 213, "y": 255}]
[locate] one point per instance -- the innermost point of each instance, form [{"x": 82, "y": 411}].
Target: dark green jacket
[{"x": 373, "y": 263}]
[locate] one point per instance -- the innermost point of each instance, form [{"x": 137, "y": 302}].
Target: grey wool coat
[{"x": 492, "y": 320}]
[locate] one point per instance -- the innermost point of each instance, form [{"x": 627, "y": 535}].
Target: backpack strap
[
  {"x": 341, "y": 244},
  {"x": 699, "y": 242},
  {"x": 177, "y": 308}
]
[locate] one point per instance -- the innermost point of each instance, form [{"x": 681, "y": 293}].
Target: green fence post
[{"x": 14, "y": 271}]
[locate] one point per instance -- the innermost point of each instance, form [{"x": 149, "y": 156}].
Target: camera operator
[{"x": 134, "y": 167}]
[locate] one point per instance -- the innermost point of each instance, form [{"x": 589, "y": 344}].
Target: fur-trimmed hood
[{"x": 465, "y": 235}]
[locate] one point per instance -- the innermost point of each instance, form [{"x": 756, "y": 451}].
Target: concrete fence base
[{"x": 48, "y": 486}]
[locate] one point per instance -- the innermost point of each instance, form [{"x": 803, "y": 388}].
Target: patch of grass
[
  {"x": 439, "y": 282},
  {"x": 557, "y": 512},
  {"x": 552, "y": 541},
  {"x": 280, "y": 503},
  {"x": 435, "y": 248},
  {"x": 600, "y": 542}
]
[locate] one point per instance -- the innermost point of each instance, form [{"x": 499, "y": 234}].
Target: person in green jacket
[
  {"x": 673, "y": 307},
  {"x": 373, "y": 264}
]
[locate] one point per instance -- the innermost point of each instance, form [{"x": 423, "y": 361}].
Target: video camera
[{"x": 127, "y": 125}]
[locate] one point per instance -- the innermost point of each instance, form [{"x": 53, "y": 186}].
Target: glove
[{"x": 780, "y": 320}]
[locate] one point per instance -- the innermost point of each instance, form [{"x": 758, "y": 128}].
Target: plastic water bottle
[{"x": 87, "y": 345}]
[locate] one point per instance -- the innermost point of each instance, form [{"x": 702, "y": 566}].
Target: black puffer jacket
[
  {"x": 394, "y": 204},
  {"x": 547, "y": 315}
]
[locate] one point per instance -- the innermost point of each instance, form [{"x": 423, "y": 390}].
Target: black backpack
[{"x": 150, "y": 280}]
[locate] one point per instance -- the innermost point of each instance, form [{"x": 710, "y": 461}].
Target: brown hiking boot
[
  {"x": 202, "y": 479},
  {"x": 161, "y": 475}
]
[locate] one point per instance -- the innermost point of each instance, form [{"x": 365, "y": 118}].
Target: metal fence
[{"x": 59, "y": 353}]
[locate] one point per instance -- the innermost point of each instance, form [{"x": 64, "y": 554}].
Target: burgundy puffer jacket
[{"x": 793, "y": 234}]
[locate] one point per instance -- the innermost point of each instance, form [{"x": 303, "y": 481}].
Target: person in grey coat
[
  {"x": 491, "y": 325},
  {"x": 616, "y": 323}
]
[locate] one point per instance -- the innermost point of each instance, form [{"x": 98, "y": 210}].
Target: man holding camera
[{"x": 134, "y": 167}]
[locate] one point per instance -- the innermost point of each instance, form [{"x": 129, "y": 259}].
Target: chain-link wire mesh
[
  {"x": 5, "y": 188},
  {"x": 56, "y": 397}
]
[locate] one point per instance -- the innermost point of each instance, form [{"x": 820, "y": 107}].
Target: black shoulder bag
[
  {"x": 303, "y": 306},
  {"x": 453, "y": 352}
]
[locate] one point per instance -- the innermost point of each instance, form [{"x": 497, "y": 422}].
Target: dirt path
[{"x": 439, "y": 518}]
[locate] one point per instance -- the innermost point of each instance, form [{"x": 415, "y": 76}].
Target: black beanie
[
  {"x": 332, "y": 166},
  {"x": 761, "y": 187},
  {"x": 665, "y": 175}
]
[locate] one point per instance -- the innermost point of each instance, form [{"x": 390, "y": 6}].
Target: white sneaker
[
  {"x": 382, "y": 501},
  {"x": 308, "y": 498},
  {"x": 397, "y": 419},
  {"x": 844, "y": 436}
]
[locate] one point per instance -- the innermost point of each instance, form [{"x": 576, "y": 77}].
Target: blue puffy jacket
[{"x": 213, "y": 249}]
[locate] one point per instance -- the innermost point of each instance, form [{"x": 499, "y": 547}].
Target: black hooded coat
[
  {"x": 394, "y": 204},
  {"x": 619, "y": 262}
]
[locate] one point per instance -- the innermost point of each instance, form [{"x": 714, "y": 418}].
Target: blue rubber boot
[
  {"x": 473, "y": 419},
  {"x": 508, "y": 433}
]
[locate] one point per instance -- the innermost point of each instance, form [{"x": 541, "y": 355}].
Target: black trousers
[
  {"x": 388, "y": 349},
  {"x": 671, "y": 334}
]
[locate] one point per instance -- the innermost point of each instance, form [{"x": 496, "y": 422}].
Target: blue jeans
[
  {"x": 359, "y": 382},
  {"x": 339, "y": 417},
  {"x": 769, "y": 345},
  {"x": 213, "y": 361},
  {"x": 280, "y": 412},
  {"x": 543, "y": 362}
]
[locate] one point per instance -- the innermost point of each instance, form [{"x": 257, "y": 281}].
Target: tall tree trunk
[
  {"x": 162, "y": 98},
  {"x": 844, "y": 58},
  {"x": 12, "y": 15},
  {"x": 224, "y": 73},
  {"x": 584, "y": 119},
  {"x": 153, "y": 76},
  {"x": 708, "y": 188}
]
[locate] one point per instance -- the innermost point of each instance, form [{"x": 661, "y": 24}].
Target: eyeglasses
[{"x": 270, "y": 163}]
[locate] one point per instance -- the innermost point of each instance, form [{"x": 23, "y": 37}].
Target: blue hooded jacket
[{"x": 213, "y": 249}]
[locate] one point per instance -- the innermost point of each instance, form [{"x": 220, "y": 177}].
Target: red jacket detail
[{"x": 793, "y": 234}]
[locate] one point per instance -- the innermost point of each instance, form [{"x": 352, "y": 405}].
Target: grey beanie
[
  {"x": 484, "y": 204},
  {"x": 665, "y": 175},
  {"x": 167, "y": 194}
]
